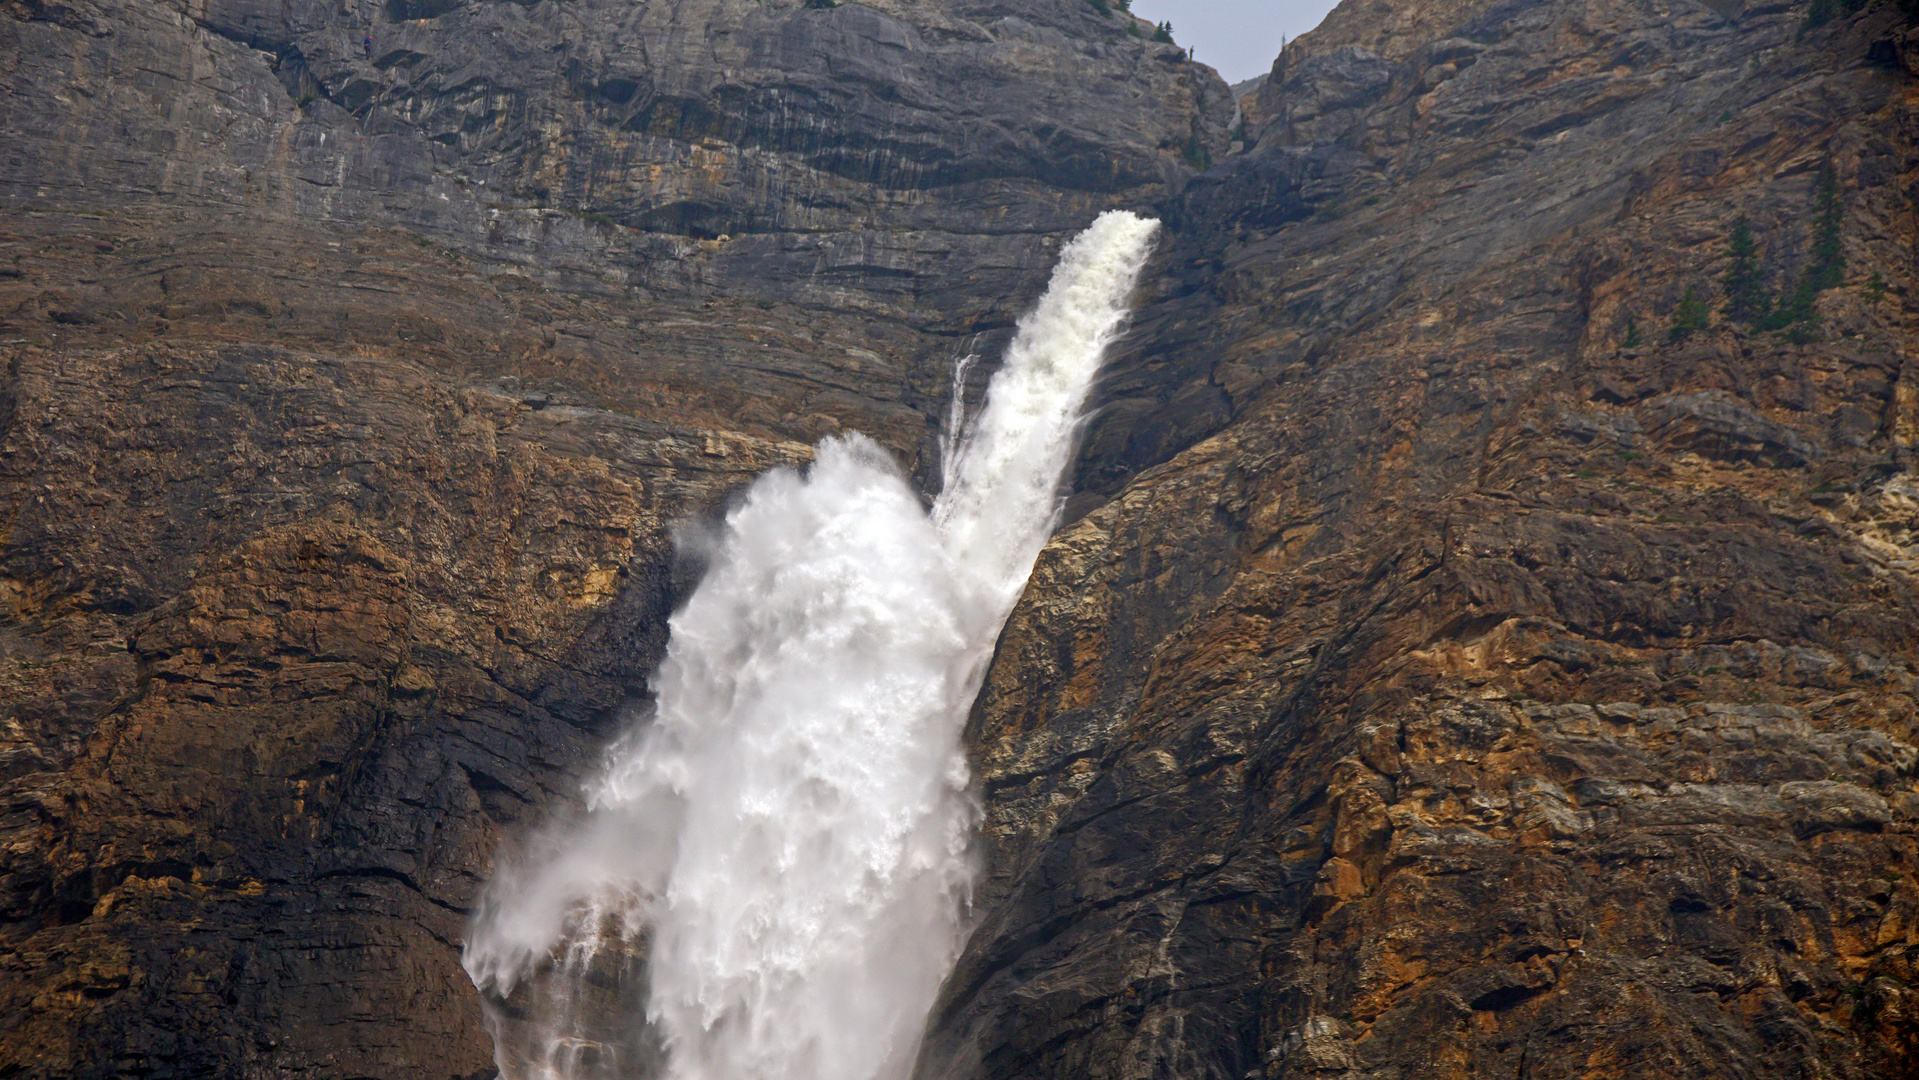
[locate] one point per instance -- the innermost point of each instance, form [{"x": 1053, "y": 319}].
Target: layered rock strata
[
  {"x": 1446, "y": 670},
  {"x": 1496, "y": 672},
  {"x": 362, "y": 360}
]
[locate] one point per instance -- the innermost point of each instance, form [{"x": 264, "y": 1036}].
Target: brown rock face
[
  {"x": 1500, "y": 679},
  {"x": 1459, "y": 661},
  {"x": 353, "y": 394},
  {"x": 328, "y": 628}
]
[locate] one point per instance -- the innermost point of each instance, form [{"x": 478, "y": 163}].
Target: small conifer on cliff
[
  {"x": 1747, "y": 298},
  {"x": 1688, "y": 317}
]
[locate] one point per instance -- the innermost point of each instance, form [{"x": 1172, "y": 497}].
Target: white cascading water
[{"x": 790, "y": 825}]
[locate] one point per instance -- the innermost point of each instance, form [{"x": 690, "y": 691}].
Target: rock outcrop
[
  {"x": 353, "y": 394},
  {"x": 1456, "y": 663},
  {"x": 1467, "y": 666}
]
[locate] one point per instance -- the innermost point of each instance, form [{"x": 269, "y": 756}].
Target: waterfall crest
[{"x": 790, "y": 826}]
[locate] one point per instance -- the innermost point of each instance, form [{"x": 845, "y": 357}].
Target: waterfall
[{"x": 789, "y": 827}]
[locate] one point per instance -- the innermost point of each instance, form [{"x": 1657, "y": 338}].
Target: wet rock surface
[{"x": 1445, "y": 670}]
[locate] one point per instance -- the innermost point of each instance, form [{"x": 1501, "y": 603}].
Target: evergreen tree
[
  {"x": 1828, "y": 254},
  {"x": 1164, "y": 32},
  {"x": 1798, "y": 311},
  {"x": 1747, "y": 298},
  {"x": 1632, "y": 335},
  {"x": 1196, "y": 154},
  {"x": 1796, "y": 307},
  {"x": 1689, "y": 316}
]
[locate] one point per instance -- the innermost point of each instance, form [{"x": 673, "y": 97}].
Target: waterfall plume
[{"x": 789, "y": 827}]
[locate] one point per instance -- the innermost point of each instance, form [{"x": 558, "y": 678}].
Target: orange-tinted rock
[{"x": 1441, "y": 673}]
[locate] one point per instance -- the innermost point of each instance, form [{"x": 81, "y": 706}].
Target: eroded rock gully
[{"x": 1441, "y": 674}]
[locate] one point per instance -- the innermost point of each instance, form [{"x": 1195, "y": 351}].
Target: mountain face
[
  {"x": 353, "y": 394},
  {"x": 1516, "y": 679},
  {"x": 1482, "y": 640}
]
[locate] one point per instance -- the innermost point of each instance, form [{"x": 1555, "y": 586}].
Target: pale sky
[{"x": 1239, "y": 38}]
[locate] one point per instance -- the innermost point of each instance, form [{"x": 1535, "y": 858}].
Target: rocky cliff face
[
  {"x": 352, "y": 395},
  {"x": 1443, "y": 673},
  {"x": 1505, "y": 676}
]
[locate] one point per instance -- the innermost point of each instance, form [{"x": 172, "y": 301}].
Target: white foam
[{"x": 791, "y": 825}]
